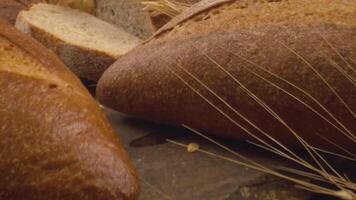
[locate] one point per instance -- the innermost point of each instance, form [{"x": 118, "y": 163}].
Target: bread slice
[
  {"x": 87, "y": 45},
  {"x": 56, "y": 143},
  {"x": 255, "y": 42}
]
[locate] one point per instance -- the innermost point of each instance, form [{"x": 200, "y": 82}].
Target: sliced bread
[{"x": 86, "y": 44}]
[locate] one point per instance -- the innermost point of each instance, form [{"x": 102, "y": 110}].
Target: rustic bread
[
  {"x": 266, "y": 46},
  {"x": 85, "y": 44},
  {"x": 55, "y": 142}
]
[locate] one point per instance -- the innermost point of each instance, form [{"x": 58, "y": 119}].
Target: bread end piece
[{"x": 84, "y": 43}]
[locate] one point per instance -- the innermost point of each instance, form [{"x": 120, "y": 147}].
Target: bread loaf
[
  {"x": 276, "y": 63},
  {"x": 84, "y": 43},
  {"x": 55, "y": 142}
]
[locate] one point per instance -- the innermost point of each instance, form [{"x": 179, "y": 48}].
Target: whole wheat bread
[
  {"x": 275, "y": 63},
  {"x": 87, "y": 45},
  {"x": 56, "y": 143}
]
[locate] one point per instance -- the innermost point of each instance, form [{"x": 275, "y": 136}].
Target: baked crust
[
  {"x": 56, "y": 142},
  {"x": 142, "y": 83}
]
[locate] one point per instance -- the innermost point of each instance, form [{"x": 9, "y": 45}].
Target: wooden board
[{"x": 168, "y": 171}]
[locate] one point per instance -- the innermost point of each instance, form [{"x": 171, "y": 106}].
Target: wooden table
[{"x": 168, "y": 171}]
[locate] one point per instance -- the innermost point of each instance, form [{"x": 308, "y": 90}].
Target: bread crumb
[{"x": 192, "y": 147}]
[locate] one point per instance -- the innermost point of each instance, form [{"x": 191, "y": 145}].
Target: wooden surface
[{"x": 168, "y": 171}]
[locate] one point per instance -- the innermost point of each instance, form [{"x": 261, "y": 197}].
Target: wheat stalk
[
  {"x": 323, "y": 170},
  {"x": 166, "y": 7}
]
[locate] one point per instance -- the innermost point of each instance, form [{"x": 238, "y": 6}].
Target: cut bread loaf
[
  {"x": 56, "y": 143},
  {"x": 297, "y": 56},
  {"x": 87, "y": 45}
]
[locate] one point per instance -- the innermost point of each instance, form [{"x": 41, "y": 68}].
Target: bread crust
[
  {"x": 56, "y": 142},
  {"x": 195, "y": 9},
  {"x": 160, "y": 96}
]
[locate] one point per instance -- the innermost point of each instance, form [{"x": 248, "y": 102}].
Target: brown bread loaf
[
  {"x": 293, "y": 56},
  {"x": 55, "y": 143}
]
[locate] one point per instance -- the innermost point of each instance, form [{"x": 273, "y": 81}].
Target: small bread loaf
[
  {"x": 283, "y": 66},
  {"x": 87, "y": 45},
  {"x": 56, "y": 143}
]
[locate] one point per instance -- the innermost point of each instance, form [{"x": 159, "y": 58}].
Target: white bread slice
[
  {"x": 86, "y": 44},
  {"x": 128, "y": 14}
]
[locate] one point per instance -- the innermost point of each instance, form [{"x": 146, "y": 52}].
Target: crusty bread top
[
  {"x": 56, "y": 141},
  {"x": 194, "y": 10},
  {"x": 214, "y": 15},
  {"x": 78, "y": 28}
]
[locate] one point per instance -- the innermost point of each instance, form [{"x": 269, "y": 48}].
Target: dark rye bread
[
  {"x": 56, "y": 143},
  {"x": 268, "y": 35}
]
